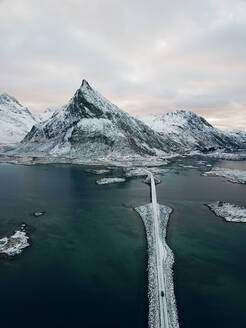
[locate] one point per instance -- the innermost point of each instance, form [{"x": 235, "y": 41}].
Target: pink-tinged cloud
[{"x": 147, "y": 57}]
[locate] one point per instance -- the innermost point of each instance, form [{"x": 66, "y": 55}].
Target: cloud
[{"x": 147, "y": 57}]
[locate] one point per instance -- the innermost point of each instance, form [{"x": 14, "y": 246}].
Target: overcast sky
[{"x": 147, "y": 57}]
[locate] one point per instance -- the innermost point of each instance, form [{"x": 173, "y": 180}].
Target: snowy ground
[
  {"x": 110, "y": 180},
  {"x": 235, "y": 176},
  {"x": 230, "y": 212},
  {"x": 16, "y": 243}
]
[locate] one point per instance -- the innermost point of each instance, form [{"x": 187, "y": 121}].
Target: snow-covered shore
[
  {"x": 15, "y": 243},
  {"x": 230, "y": 212},
  {"x": 237, "y": 156},
  {"x": 235, "y": 176},
  {"x": 124, "y": 162},
  {"x": 135, "y": 162},
  {"x": 146, "y": 213}
]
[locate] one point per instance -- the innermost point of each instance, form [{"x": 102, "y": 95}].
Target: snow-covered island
[
  {"x": 235, "y": 176},
  {"x": 14, "y": 244},
  {"x": 110, "y": 180},
  {"x": 230, "y": 212}
]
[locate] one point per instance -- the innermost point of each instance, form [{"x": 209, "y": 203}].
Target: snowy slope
[
  {"x": 15, "y": 120},
  {"x": 193, "y": 132},
  {"x": 90, "y": 125}
]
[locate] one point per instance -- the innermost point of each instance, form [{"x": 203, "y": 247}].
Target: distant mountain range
[
  {"x": 192, "y": 132},
  {"x": 91, "y": 126}
]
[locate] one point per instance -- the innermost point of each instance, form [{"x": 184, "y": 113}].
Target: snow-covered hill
[
  {"x": 91, "y": 126},
  {"x": 15, "y": 120},
  {"x": 192, "y": 132}
]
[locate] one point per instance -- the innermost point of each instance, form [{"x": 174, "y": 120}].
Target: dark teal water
[
  {"x": 87, "y": 263},
  {"x": 210, "y": 267}
]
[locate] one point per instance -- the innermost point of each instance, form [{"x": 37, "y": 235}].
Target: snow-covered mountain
[
  {"x": 15, "y": 120},
  {"x": 192, "y": 132},
  {"x": 46, "y": 114},
  {"x": 91, "y": 126},
  {"x": 239, "y": 136}
]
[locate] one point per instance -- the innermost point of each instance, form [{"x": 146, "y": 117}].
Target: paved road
[{"x": 161, "y": 255}]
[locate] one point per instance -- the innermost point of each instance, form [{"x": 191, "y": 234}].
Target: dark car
[{"x": 162, "y": 293}]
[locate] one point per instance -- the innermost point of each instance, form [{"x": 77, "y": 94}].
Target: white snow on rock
[
  {"x": 232, "y": 175},
  {"x": 14, "y": 244},
  {"x": 230, "y": 212},
  {"x": 15, "y": 120},
  {"x": 110, "y": 180}
]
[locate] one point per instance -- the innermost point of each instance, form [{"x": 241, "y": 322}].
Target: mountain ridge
[
  {"x": 193, "y": 132},
  {"x": 89, "y": 125}
]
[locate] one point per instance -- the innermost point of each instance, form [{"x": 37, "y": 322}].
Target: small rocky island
[
  {"x": 15, "y": 243},
  {"x": 38, "y": 214},
  {"x": 99, "y": 171},
  {"x": 110, "y": 180},
  {"x": 230, "y": 212}
]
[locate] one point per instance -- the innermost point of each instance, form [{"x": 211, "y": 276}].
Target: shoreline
[{"x": 118, "y": 161}]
